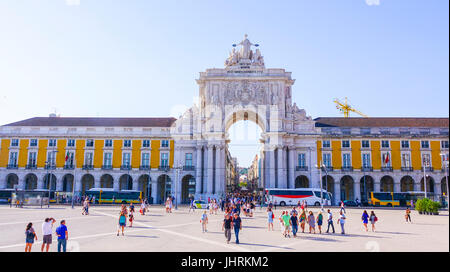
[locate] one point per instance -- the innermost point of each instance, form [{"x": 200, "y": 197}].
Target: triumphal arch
[{"x": 245, "y": 90}]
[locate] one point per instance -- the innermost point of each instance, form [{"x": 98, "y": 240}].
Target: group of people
[
  {"x": 291, "y": 221},
  {"x": 47, "y": 231}
]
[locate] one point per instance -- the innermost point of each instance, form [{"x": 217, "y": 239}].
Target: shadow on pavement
[
  {"x": 141, "y": 236},
  {"x": 263, "y": 245}
]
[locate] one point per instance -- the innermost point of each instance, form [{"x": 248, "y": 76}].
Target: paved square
[{"x": 181, "y": 231}]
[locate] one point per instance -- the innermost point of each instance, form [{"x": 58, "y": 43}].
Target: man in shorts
[{"x": 47, "y": 233}]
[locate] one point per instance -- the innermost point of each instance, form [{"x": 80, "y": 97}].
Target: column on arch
[
  {"x": 271, "y": 168},
  {"x": 281, "y": 168},
  {"x": 198, "y": 169},
  {"x": 291, "y": 178},
  {"x": 209, "y": 176},
  {"x": 219, "y": 169}
]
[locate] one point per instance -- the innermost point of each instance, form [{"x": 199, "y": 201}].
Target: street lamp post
[
  {"x": 74, "y": 178},
  {"x": 445, "y": 160},
  {"x": 425, "y": 164},
  {"x": 321, "y": 186}
]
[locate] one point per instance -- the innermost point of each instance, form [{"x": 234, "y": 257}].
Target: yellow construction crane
[{"x": 345, "y": 108}]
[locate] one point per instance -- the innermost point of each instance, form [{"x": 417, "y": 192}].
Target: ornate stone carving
[{"x": 244, "y": 92}]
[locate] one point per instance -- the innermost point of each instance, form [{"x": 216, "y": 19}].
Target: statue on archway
[{"x": 245, "y": 51}]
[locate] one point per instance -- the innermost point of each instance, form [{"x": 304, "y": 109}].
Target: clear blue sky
[{"x": 139, "y": 58}]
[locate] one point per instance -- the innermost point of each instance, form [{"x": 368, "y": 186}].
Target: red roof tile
[
  {"x": 95, "y": 122},
  {"x": 381, "y": 122}
]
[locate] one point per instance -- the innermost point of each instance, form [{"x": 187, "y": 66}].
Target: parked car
[
  {"x": 200, "y": 204},
  {"x": 350, "y": 203}
]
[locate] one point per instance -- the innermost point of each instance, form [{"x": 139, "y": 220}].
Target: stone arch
[
  {"x": 50, "y": 179},
  {"x": 187, "y": 188},
  {"x": 87, "y": 182},
  {"x": 106, "y": 181},
  {"x": 125, "y": 182},
  {"x": 387, "y": 184},
  {"x": 301, "y": 182},
  {"x": 406, "y": 184},
  {"x": 249, "y": 113},
  {"x": 347, "y": 192},
  {"x": 11, "y": 180},
  {"x": 31, "y": 181},
  {"x": 144, "y": 186},
  {"x": 164, "y": 184},
  {"x": 430, "y": 184},
  {"x": 367, "y": 184},
  {"x": 67, "y": 183}
]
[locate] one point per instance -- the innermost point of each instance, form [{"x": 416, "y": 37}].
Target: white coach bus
[{"x": 291, "y": 197}]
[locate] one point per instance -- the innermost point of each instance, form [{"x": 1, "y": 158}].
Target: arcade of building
[{"x": 189, "y": 156}]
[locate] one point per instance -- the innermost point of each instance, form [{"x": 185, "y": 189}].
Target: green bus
[{"x": 107, "y": 195}]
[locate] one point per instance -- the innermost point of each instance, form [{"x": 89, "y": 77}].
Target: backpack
[{"x": 30, "y": 235}]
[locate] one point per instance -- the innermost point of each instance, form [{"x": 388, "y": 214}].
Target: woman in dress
[
  {"x": 311, "y": 222},
  {"x": 365, "y": 219},
  {"x": 122, "y": 220},
  {"x": 373, "y": 218},
  {"x": 270, "y": 217},
  {"x": 302, "y": 220},
  {"x": 319, "y": 221},
  {"x": 30, "y": 236}
]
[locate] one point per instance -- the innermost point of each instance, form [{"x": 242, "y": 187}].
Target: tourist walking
[
  {"x": 191, "y": 206},
  {"x": 143, "y": 207},
  {"x": 294, "y": 224},
  {"x": 373, "y": 218},
  {"x": 204, "y": 221},
  {"x": 226, "y": 226},
  {"x": 61, "y": 232},
  {"x": 286, "y": 223},
  {"x": 408, "y": 215},
  {"x": 302, "y": 220},
  {"x": 30, "y": 236},
  {"x": 131, "y": 216},
  {"x": 341, "y": 221},
  {"x": 330, "y": 221},
  {"x": 270, "y": 217},
  {"x": 319, "y": 221},
  {"x": 311, "y": 222},
  {"x": 365, "y": 219},
  {"x": 342, "y": 206},
  {"x": 122, "y": 221},
  {"x": 237, "y": 225},
  {"x": 47, "y": 233}
]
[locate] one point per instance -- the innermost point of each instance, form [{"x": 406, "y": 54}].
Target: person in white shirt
[
  {"x": 330, "y": 221},
  {"x": 47, "y": 233},
  {"x": 341, "y": 221}
]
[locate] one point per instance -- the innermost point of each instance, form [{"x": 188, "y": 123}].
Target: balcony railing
[
  {"x": 107, "y": 167},
  {"x": 407, "y": 169},
  {"x": 88, "y": 167},
  {"x": 69, "y": 167},
  {"x": 367, "y": 169},
  {"x": 144, "y": 167},
  {"x": 188, "y": 168},
  {"x": 30, "y": 166},
  {"x": 12, "y": 166},
  {"x": 428, "y": 169},
  {"x": 301, "y": 168},
  {"x": 386, "y": 169},
  {"x": 163, "y": 168},
  {"x": 328, "y": 168},
  {"x": 51, "y": 167},
  {"x": 125, "y": 167},
  {"x": 347, "y": 168}
]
